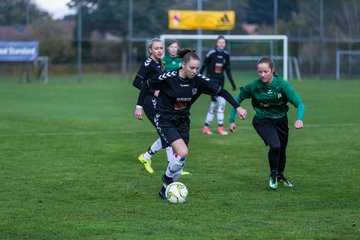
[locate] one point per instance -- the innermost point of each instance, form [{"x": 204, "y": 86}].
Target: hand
[
  {"x": 232, "y": 127},
  {"x": 138, "y": 112},
  {"x": 298, "y": 124},
  {"x": 241, "y": 113},
  {"x": 156, "y": 93}
]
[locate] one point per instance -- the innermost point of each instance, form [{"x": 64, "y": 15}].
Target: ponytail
[{"x": 187, "y": 54}]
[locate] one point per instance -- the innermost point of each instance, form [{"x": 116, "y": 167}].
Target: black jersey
[
  {"x": 149, "y": 69},
  {"x": 178, "y": 94},
  {"x": 216, "y": 62}
]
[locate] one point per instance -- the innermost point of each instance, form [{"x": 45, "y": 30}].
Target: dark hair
[
  {"x": 187, "y": 54},
  {"x": 218, "y": 38},
  {"x": 269, "y": 61},
  {"x": 172, "y": 41}
]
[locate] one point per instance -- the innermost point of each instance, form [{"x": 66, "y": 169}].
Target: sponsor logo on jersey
[
  {"x": 183, "y": 99},
  {"x": 184, "y": 85},
  {"x": 181, "y": 103},
  {"x": 218, "y": 67}
]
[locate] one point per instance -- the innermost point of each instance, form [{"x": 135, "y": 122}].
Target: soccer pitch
[{"x": 69, "y": 168}]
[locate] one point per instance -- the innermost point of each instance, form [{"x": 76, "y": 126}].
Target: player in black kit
[
  {"x": 178, "y": 91},
  {"x": 216, "y": 62},
  {"x": 152, "y": 67}
]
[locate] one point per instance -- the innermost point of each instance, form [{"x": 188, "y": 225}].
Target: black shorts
[
  {"x": 149, "y": 107},
  {"x": 171, "y": 128},
  {"x": 272, "y": 131}
]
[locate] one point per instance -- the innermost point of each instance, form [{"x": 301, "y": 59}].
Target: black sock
[
  {"x": 150, "y": 151},
  {"x": 167, "y": 180}
]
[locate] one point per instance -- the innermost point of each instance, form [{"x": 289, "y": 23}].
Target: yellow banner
[{"x": 206, "y": 20}]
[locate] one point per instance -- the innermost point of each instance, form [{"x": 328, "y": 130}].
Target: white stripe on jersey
[
  {"x": 203, "y": 77},
  {"x": 210, "y": 52},
  {"x": 147, "y": 62},
  {"x": 167, "y": 74}
]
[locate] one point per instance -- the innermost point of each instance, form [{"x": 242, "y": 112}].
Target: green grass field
[{"x": 69, "y": 168}]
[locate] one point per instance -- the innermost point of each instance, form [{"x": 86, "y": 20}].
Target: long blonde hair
[{"x": 149, "y": 45}]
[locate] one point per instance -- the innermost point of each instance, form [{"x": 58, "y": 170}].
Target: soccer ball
[{"x": 176, "y": 192}]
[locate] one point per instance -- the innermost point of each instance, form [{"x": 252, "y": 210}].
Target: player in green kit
[
  {"x": 269, "y": 97},
  {"x": 172, "y": 61}
]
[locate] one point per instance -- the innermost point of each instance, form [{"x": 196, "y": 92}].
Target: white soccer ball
[{"x": 176, "y": 192}]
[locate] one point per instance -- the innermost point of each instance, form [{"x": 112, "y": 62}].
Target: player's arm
[
  {"x": 204, "y": 65},
  {"x": 138, "y": 109},
  {"x": 241, "y": 112},
  {"x": 245, "y": 92},
  {"x": 229, "y": 74},
  {"x": 140, "y": 78},
  {"x": 138, "y": 81},
  {"x": 232, "y": 125},
  {"x": 213, "y": 89},
  {"x": 152, "y": 83},
  {"x": 295, "y": 100}
]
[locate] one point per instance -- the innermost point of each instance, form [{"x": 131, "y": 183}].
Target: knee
[
  {"x": 220, "y": 109},
  {"x": 212, "y": 107},
  {"x": 183, "y": 153},
  {"x": 221, "y": 103},
  {"x": 275, "y": 147}
]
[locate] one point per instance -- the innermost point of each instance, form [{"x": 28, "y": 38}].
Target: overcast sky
[{"x": 57, "y": 8}]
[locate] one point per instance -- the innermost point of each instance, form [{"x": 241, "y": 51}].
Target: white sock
[
  {"x": 220, "y": 110},
  {"x": 220, "y": 118},
  {"x": 210, "y": 114},
  {"x": 155, "y": 147},
  {"x": 175, "y": 166},
  {"x": 169, "y": 153},
  {"x": 147, "y": 156}
]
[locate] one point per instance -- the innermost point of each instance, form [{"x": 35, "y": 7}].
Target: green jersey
[
  {"x": 270, "y": 100},
  {"x": 171, "y": 63}
]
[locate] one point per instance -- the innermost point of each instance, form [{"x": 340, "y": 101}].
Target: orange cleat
[
  {"x": 206, "y": 131},
  {"x": 222, "y": 131}
]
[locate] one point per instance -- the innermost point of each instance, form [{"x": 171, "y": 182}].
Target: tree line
[{"x": 316, "y": 20}]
